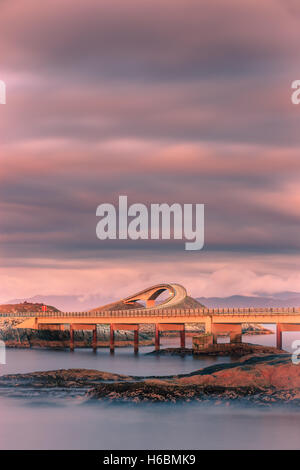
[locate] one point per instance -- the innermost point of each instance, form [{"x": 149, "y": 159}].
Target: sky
[{"x": 163, "y": 101}]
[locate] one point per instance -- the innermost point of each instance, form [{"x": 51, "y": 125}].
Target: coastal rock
[
  {"x": 26, "y": 307},
  {"x": 270, "y": 379},
  {"x": 255, "y": 329},
  {"x": 237, "y": 350},
  {"x": 66, "y": 378},
  {"x": 172, "y": 352},
  {"x": 262, "y": 380},
  {"x": 220, "y": 349}
]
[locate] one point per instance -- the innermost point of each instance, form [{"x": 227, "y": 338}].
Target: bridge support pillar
[
  {"x": 94, "y": 340},
  {"x": 112, "y": 339},
  {"x": 157, "y": 338},
  {"x": 182, "y": 337},
  {"x": 136, "y": 340},
  {"x": 208, "y": 325},
  {"x": 71, "y": 338},
  {"x": 278, "y": 336},
  {"x": 236, "y": 337}
]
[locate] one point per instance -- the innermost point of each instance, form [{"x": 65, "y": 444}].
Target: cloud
[
  {"x": 207, "y": 275},
  {"x": 133, "y": 37},
  {"x": 180, "y": 101}
]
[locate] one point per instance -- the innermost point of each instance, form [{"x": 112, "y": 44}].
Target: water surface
[{"x": 69, "y": 424}]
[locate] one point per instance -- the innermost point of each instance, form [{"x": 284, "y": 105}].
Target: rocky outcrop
[
  {"x": 227, "y": 349},
  {"x": 66, "y": 378},
  {"x": 255, "y": 329},
  {"x": 261, "y": 380},
  {"x": 187, "y": 302},
  {"x": 119, "y": 305},
  {"x": 238, "y": 350},
  {"x": 172, "y": 352},
  {"x": 26, "y": 307}
]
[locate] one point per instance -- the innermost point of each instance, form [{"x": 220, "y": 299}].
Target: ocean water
[{"x": 71, "y": 424}]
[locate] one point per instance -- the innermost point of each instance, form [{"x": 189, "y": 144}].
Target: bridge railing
[{"x": 158, "y": 312}]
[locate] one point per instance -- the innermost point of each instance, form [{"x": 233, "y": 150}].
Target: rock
[
  {"x": 227, "y": 349},
  {"x": 67, "y": 378},
  {"x": 255, "y": 329},
  {"x": 237, "y": 350},
  {"x": 261, "y": 380},
  {"x": 172, "y": 352},
  {"x": 25, "y": 307}
]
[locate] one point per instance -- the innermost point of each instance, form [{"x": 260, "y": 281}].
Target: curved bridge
[
  {"x": 177, "y": 295},
  {"x": 171, "y": 314}
]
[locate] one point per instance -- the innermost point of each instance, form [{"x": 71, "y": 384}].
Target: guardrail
[{"x": 159, "y": 312}]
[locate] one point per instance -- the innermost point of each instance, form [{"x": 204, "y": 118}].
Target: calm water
[{"x": 69, "y": 424}]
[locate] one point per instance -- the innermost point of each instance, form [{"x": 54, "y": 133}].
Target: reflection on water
[{"x": 68, "y": 424}]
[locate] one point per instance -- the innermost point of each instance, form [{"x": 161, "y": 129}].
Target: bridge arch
[{"x": 149, "y": 295}]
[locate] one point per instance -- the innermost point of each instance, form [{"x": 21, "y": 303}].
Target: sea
[{"x": 69, "y": 422}]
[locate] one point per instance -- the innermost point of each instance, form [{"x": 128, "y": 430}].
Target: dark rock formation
[
  {"x": 261, "y": 380},
  {"x": 66, "y": 378},
  {"x": 25, "y": 307},
  {"x": 255, "y": 329},
  {"x": 227, "y": 349},
  {"x": 119, "y": 305},
  {"x": 188, "y": 302},
  {"x": 237, "y": 350}
]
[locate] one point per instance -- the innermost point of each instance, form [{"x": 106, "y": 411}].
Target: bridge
[{"x": 172, "y": 314}]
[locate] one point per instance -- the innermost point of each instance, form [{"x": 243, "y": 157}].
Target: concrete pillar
[
  {"x": 71, "y": 338},
  {"x": 208, "y": 325},
  {"x": 112, "y": 339},
  {"x": 235, "y": 337},
  {"x": 94, "y": 341},
  {"x": 202, "y": 341},
  {"x": 157, "y": 339},
  {"x": 278, "y": 336},
  {"x": 182, "y": 338},
  {"x": 214, "y": 332},
  {"x": 136, "y": 340}
]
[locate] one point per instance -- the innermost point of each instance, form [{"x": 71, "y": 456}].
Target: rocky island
[{"x": 258, "y": 379}]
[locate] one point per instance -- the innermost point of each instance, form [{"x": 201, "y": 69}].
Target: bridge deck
[
  {"x": 138, "y": 316},
  {"x": 161, "y": 312}
]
